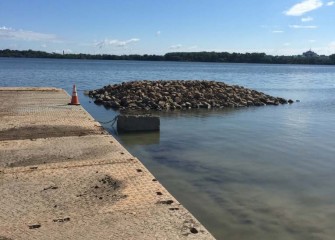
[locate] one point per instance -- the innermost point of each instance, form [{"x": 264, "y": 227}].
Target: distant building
[{"x": 310, "y": 53}]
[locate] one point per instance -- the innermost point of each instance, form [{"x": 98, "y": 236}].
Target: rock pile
[{"x": 161, "y": 95}]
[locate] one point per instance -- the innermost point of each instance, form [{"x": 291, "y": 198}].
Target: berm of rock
[{"x": 175, "y": 94}]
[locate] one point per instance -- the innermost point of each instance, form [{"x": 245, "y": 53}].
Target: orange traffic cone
[{"x": 74, "y": 100}]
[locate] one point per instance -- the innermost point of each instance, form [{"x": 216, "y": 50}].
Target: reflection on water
[{"x": 140, "y": 138}]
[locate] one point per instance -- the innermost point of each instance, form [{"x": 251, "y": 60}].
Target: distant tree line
[
  {"x": 223, "y": 57},
  {"x": 226, "y": 57},
  {"x": 40, "y": 54}
]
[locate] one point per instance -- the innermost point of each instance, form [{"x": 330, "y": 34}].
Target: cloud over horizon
[
  {"x": 14, "y": 34},
  {"x": 115, "y": 42},
  {"x": 304, "y": 7},
  {"x": 303, "y": 26},
  {"x": 307, "y": 19},
  {"x": 176, "y": 46}
]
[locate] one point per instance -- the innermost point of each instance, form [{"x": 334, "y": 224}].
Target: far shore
[{"x": 218, "y": 57}]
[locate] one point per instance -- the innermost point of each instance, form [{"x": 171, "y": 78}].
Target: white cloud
[
  {"x": 307, "y": 19},
  {"x": 185, "y": 48},
  {"x": 304, "y": 7},
  {"x": 177, "y": 46},
  {"x": 331, "y": 47},
  {"x": 193, "y": 47},
  {"x": 115, "y": 42},
  {"x": 158, "y": 33},
  {"x": 68, "y": 51},
  {"x": 10, "y": 33},
  {"x": 13, "y": 45},
  {"x": 277, "y": 31},
  {"x": 327, "y": 49},
  {"x": 331, "y": 3},
  {"x": 303, "y": 26},
  {"x": 312, "y": 41}
]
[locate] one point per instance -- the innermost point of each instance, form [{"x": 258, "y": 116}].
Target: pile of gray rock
[{"x": 164, "y": 95}]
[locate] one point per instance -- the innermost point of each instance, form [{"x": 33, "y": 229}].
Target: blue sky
[{"x": 278, "y": 27}]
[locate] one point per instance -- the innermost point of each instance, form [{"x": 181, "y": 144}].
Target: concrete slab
[{"x": 63, "y": 177}]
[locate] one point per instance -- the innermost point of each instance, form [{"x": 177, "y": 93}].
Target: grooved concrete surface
[{"x": 63, "y": 177}]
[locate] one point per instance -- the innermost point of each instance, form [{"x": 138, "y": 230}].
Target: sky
[{"x": 276, "y": 27}]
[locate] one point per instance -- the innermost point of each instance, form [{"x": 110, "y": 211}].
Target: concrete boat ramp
[{"x": 62, "y": 176}]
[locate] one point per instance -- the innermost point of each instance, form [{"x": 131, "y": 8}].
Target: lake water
[{"x": 250, "y": 173}]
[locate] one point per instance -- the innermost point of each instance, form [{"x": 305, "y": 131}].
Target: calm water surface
[{"x": 252, "y": 173}]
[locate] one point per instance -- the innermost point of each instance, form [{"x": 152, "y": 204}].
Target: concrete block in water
[{"x": 137, "y": 123}]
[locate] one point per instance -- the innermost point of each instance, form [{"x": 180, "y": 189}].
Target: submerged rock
[{"x": 164, "y": 95}]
